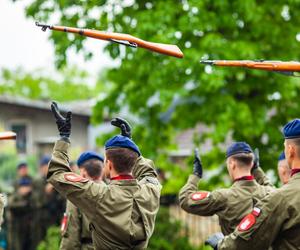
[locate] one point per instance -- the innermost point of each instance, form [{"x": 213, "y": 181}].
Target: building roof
[{"x": 81, "y": 108}]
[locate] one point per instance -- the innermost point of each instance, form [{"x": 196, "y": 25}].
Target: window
[{"x": 21, "y": 142}]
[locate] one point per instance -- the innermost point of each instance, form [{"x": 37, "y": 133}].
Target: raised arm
[
  {"x": 144, "y": 167},
  {"x": 258, "y": 172},
  {"x": 199, "y": 202},
  {"x": 80, "y": 191}
]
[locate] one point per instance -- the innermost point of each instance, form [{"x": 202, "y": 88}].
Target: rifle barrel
[
  {"x": 279, "y": 66},
  {"x": 8, "y": 135}
]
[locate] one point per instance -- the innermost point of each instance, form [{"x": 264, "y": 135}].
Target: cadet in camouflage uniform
[
  {"x": 76, "y": 234},
  {"x": 231, "y": 204},
  {"x": 21, "y": 206},
  {"x": 50, "y": 204},
  {"x": 274, "y": 221},
  {"x": 122, "y": 214}
]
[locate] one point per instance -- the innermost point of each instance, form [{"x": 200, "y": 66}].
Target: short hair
[
  {"x": 123, "y": 159},
  {"x": 296, "y": 142},
  {"x": 93, "y": 167},
  {"x": 244, "y": 159}
]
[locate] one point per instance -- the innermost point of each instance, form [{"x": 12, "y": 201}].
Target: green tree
[
  {"x": 169, "y": 95},
  {"x": 68, "y": 85}
]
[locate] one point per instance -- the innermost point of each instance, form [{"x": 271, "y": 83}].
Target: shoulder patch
[
  {"x": 199, "y": 196},
  {"x": 246, "y": 223},
  {"x": 75, "y": 178}
]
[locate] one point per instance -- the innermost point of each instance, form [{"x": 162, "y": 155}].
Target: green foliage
[
  {"x": 168, "y": 234},
  {"x": 169, "y": 95},
  {"x": 52, "y": 240},
  {"x": 70, "y": 82}
]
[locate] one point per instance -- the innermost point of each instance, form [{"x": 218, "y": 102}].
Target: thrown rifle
[
  {"x": 124, "y": 39},
  {"x": 8, "y": 135},
  {"x": 286, "y": 68}
]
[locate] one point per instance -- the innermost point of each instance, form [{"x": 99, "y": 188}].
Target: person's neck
[
  {"x": 115, "y": 174},
  {"x": 295, "y": 164},
  {"x": 240, "y": 174}
]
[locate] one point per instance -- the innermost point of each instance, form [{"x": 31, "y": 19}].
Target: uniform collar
[
  {"x": 245, "y": 178},
  {"x": 122, "y": 177},
  {"x": 295, "y": 171}
]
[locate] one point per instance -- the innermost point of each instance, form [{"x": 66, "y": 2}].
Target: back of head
[
  {"x": 122, "y": 152},
  {"x": 242, "y": 153},
  {"x": 44, "y": 160},
  {"x": 240, "y": 159},
  {"x": 93, "y": 167},
  {"x": 244, "y": 160},
  {"x": 92, "y": 163},
  {"x": 291, "y": 132},
  {"x": 123, "y": 159}
]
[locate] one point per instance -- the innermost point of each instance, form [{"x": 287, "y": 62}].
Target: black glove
[
  {"x": 256, "y": 159},
  {"x": 63, "y": 123},
  {"x": 214, "y": 239},
  {"x": 197, "y": 164},
  {"x": 123, "y": 125}
]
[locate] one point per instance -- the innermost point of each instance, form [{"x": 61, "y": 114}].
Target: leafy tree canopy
[
  {"x": 169, "y": 95},
  {"x": 68, "y": 85}
]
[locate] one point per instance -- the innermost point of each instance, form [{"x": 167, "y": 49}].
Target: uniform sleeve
[
  {"x": 260, "y": 232},
  {"x": 200, "y": 202},
  {"x": 82, "y": 192},
  {"x": 261, "y": 177},
  {"x": 71, "y": 235},
  {"x": 144, "y": 168}
]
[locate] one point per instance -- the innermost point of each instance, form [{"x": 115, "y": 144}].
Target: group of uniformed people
[
  {"x": 112, "y": 202},
  {"x": 252, "y": 213},
  {"x": 32, "y": 208}
]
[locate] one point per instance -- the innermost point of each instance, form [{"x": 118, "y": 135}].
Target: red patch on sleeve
[
  {"x": 75, "y": 178},
  {"x": 246, "y": 223},
  {"x": 64, "y": 223},
  {"x": 199, "y": 196}
]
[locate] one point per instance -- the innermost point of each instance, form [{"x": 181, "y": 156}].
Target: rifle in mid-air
[
  {"x": 124, "y": 39},
  {"x": 286, "y": 68},
  {"x": 8, "y": 135}
]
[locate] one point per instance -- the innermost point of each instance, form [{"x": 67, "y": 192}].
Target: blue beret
[
  {"x": 292, "y": 129},
  {"x": 87, "y": 155},
  {"x": 22, "y": 164},
  {"x": 237, "y": 148},
  {"x": 120, "y": 141},
  {"x": 281, "y": 156},
  {"x": 25, "y": 181},
  {"x": 45, "y": 160}
]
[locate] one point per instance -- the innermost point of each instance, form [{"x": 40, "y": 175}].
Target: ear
[
  {"x": 109, "y": 164},
  {"x": 291, "y": 150},
  {"x": 232, "y": 164}
]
